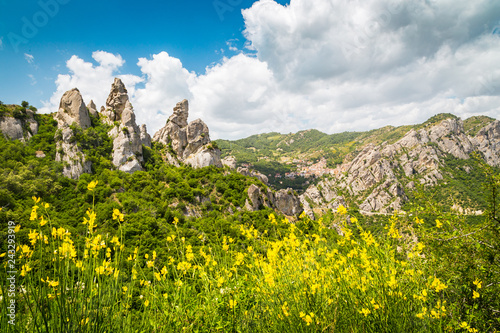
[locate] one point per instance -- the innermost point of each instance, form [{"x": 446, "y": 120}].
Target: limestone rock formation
[
  {"x": 487, "y": 141},
  {"x": 287, "y": 202},
  {"x": 371, "y": 174},
  {"x": 229, "y": 161},
  {"x": 127, "y": 142},
  {"x": 92, "y": 109},
  {"x": 116, "y": 102},
  {"x": 145, "y": 137},
  {"x": 253, "y": 173},
  {"x": 17, "y": 129},
  {"x": 255, "y": 198},
  {"x": 204, "y": 157},
  {"x": 72, "y": 111},
  {"x": 190, "y": 143}
]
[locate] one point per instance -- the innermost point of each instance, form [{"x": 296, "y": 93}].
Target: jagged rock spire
[
  {"x": 117, "y": 101},
  {"x": 73, "y": 110},
  {"x": 190, "y": 142}
]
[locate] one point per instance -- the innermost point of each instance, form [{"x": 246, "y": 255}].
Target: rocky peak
[
  {"x": 73, "y": 110},
  {"x": 126, "y": 135},
  {"x": 117, "y": 100},
  {"x": 181, "y": 113},
  {"x": 189, "y": 141},
  {"x": 92, "y": 109},
  {"x": 145, "y": 137}
]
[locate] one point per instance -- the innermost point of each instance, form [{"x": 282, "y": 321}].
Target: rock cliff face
[
  {"x": 126, "y": 135},
  {"x": 190, "y": 143},
  {"x": 145, "y": 137},
  {"x": 379, "y": 176},
  {"x": 116, "y": 102},
  {"x": 229, "y": 161},
  {"x": 253, "y": 173},
  {"x": 72, "y": 111},
  {"x": 17, "y": 129},
  {"x": 92, "y": 109},
  {"x": 284, "y": 200}
]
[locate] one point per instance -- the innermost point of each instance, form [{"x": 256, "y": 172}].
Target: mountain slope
[{"x": 378, "y": 170}]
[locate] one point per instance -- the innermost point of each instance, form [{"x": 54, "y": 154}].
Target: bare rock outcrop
[
  {"x": 126, "y": 135},
  {"x": 92, "y": 109},
  {"x": 255, "y": 198},
  {"x": 19, "y": 129},
  {"x": 145, "y": 137},
  {"x": 487, "y": 141},
  {"x": 229, "y": 161},
  {"x": 374, "y": 174},
  {"x": 189, "y": 142},
  {"x": 116, "y": 102},
  {"x": 287, "y": 202},
  {"x": 72, "y": 112},
  {"x": 253, "y": 173}
]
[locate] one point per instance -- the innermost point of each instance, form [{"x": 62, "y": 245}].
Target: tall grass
[{"x": 307, "y": 279}]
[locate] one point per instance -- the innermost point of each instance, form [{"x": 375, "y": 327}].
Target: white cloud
[
  {"x": 334, "y": 65},
  {"x": 1, "y": 43},
  {"x": 29, "y": 58},
  {"x": 167, "y": 83},
  {"x": 32, "y": 78},
  {"x": 93, "y": 81}
]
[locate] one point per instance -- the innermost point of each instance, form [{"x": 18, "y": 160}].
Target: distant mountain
[{"x": 378, "y": 171}]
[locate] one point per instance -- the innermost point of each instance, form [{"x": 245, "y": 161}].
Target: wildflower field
[{"x": 329, "y": 275}]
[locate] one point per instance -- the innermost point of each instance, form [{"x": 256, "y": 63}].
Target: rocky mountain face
[
  {"x": 380, "y": 176},
  {"x": 19, "y": 129},
  {"x": 127, "y": 136},
  {"x": 286, "y": 201},
  {"x": 190, "y": 142},
  {"x": 72, "y": 112},
  {"x": 253, "y": 173}
]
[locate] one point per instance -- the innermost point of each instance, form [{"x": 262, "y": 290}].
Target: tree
[{"x": 25, "y": 104}]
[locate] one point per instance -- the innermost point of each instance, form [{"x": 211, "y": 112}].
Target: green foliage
[{"x": 473, "y": 124}]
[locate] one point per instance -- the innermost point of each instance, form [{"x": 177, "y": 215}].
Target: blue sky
[
  {"x": 250, "y": 67},
  {"x": 193, "y": 31}
]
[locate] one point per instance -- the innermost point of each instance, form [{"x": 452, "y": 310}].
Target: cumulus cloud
[
  {"x": 93, "y": 81},
  {"x": 167, "y": 82},
  {"x": 334, "y": 65}
]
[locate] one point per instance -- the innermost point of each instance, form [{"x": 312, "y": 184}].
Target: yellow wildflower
[
  {"x": 364, "y": 312},
  {"x": 91, "y": 186},
  {"x": 117, "y": 215},
  {"x": 475, "y": 294},
  {"x": 43, "y": 221},
  {"x": 341, "y": 210},
  {"x": 478, "y": 283}
]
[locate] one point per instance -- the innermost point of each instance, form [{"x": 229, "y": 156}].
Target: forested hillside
[{"x": 178, "y": 248}]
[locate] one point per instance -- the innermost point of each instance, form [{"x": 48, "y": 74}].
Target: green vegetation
[
  {"x": 171, "y": 249},
  {"x": 472, "y": 125},
  {"x": 261, "y": 275}
]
